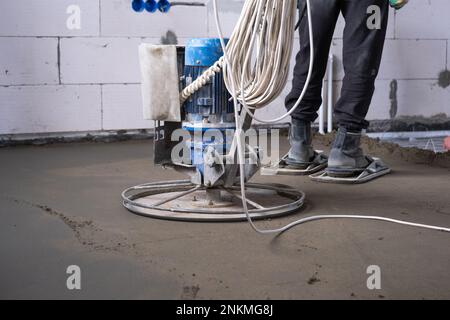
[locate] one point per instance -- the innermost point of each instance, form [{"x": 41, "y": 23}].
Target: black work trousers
[{"x": 363, "y": 42}]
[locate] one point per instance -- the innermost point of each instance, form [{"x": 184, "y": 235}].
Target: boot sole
[
  {"x": 306, "y": 169},
  {"x": 342, "y": 173},
  {"x": 294, "y": 165},
  {"x": 375, "y": 170}
]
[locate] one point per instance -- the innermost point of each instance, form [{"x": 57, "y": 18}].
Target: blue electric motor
[
  {"x": 212, "y": 102},
  {"x": 211, "y": 108}
]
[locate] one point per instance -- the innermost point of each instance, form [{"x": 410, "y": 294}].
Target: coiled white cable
[
  {"x": 232, "y": 88},
  {"x": 269, "y": 24}
]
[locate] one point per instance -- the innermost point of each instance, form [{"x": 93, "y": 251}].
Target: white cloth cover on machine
[{"x": 160, "y": 82}]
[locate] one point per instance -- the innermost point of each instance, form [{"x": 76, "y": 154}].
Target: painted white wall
[{"x": 53, "y": 79}]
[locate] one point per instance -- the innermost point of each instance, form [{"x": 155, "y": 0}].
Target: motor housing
[
  {"x": 208, "y": 124},
  {"x": 209, "y": 112}
]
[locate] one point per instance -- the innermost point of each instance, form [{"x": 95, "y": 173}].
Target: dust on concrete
[
  {"x": 85, "y": 231},
  {"x": 313, "y": 280},
  {"x": 315, "y": 277},
  {"x": 190, "y": 292}
]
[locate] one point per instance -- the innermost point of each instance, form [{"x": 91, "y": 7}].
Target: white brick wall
[
  {"x": 27, "y": 61},
  {"x": 47, "y": 18},
  {"x": 121, "y": 108},
  {"x": 99, "y": 60},
  {"x": 424, "y": 19},
  {"x": 53, "y": 79},
  {"x": 38, "y": 109},
  {"x": 119, "y": 20},
  {"x": 404, "y": 59},
  {"x": 415, "y": 98}
]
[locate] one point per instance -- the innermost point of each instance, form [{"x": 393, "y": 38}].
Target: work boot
[
  {"x": 302, "y": 153},
  {"x": 347, "y": 158}
]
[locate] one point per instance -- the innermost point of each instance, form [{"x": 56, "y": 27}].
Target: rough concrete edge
[
  {"x": 75, "y": 137},
  {"x": 439, "y": 122},
  {"x": 375, "y": 146},
  {"x": 384, "y": 149},
  {"x": 96, "y": 136}
]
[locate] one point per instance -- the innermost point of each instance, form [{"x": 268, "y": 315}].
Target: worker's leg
[
  {"x": 324, "y": 16},
  {"x": 363, "y": 48}
]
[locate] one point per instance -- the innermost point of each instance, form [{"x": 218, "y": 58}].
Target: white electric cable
[
  {"x": 270, "y": 24},
  {"x": 274, "y": 67},
  {"x": 241, "y": 159}
]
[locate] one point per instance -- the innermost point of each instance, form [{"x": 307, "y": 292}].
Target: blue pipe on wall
[{"x": 151, "y": 5}]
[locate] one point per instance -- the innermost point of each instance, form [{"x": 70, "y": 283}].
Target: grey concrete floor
[{"x": 60, "y": 206}]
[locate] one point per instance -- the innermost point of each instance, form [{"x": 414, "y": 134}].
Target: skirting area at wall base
[
  {"x": 439, "y": 122},
  {"x": 96, "y": 136},
  {"x": 420, "y": 127},
  {"x": 425, "y": 140},
  {"x": 74, "y": 137}
]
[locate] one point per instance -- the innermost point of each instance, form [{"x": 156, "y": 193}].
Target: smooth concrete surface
[{"x": 60, "y": 206}]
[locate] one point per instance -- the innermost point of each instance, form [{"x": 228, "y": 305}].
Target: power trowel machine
[
  {"x": 198, "y": 132},
  {"x": 201, "y": 145}
]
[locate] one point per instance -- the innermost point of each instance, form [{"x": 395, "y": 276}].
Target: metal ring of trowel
[{"x": 182, "y": 188}]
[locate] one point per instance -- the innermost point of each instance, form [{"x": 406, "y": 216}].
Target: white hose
[
  {"x": 270, "y": 24},
  {"x": 247, "y": 88}
]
